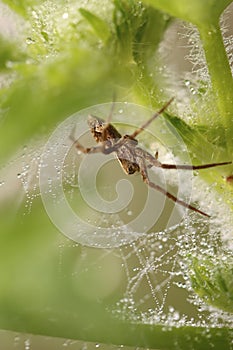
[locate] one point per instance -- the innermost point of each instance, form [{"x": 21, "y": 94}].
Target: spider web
[
  {"x": 155, "y": 266},
  {"x": 158, "y": 288}
]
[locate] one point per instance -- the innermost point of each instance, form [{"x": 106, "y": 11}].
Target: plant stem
[{"x": 221, "y": 77}]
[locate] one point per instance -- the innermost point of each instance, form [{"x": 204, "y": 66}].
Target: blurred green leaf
[
  {"x": 21, "y": 7},
  {"x": 10, "y": 54},
  {"x": 197, "y": 11},
  {"x": 206, "y": 16},
  {"x": 150, "y": 34},
  {"x": 50, "y": 92},
  {"x": 100, "y": 27},
  {"x": 139, "y": 30},
  {"x": 212, "y": 280},
  {"x": 201, "y": 149}
]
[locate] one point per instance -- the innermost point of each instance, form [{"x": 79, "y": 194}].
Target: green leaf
[
  {"x": 46, "y": 93},
  {"x": 125, "y": 19},
  {"x": 21, "y": 6},
  {"x": 201, "y": 149},
  {"x": 150, "y": 33},
  {"x": 212, "y": 280},
  {"x": 221, "y": 78},
  {"x": 206, "y": 15},
  {"x": 139, "y": 30},
  {"x": 197, "y": 11},
  {"x": 9, "y": 54},
  {"x": 100, "y": 27}
]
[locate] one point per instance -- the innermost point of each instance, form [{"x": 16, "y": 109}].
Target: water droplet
[
  {"x": 9, "y": 64},
  {"x": 65, "y": 15},
  {"x": 2, "y": 183},
  {"x": 30, "y": 41},
  {"x": 34, "y": 14},
  {"x": 171, "y": 309},
  {"x": 16, "y": 340},
  {"x": 27, "y": 344}
]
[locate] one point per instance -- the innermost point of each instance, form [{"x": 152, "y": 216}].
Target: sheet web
[
  {"x": 158, "y": 288},
  {"x": 156, "y": 257},
  {"x": 157, "y": 265}
]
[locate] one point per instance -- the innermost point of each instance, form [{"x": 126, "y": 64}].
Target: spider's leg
[
  {"x": 92, "y": 150},
  {"x": 192, "y": 167},
  {"x": 109, "y": 116},
  {"x": 168, "y": 194},
  {"x": 153, "y": 161},
  {"x": 77, "y": 144},
  {"x": 89, "y": 150},
  {"x": 111, "y": 109},
  {"x": 156, "y": 159},
  {"x": 139, "y": 130}
]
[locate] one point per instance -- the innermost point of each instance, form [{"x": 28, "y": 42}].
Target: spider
[{"x": 133, "y": 158}]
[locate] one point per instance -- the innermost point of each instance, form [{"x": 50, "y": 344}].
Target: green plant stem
[{"x": 221, "y": 77}]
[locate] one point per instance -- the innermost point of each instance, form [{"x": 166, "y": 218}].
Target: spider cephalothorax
[{"x": 101, "y": 130}]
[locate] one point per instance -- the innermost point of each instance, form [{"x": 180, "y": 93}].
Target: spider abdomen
[{"x": 127, "y": 160}]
